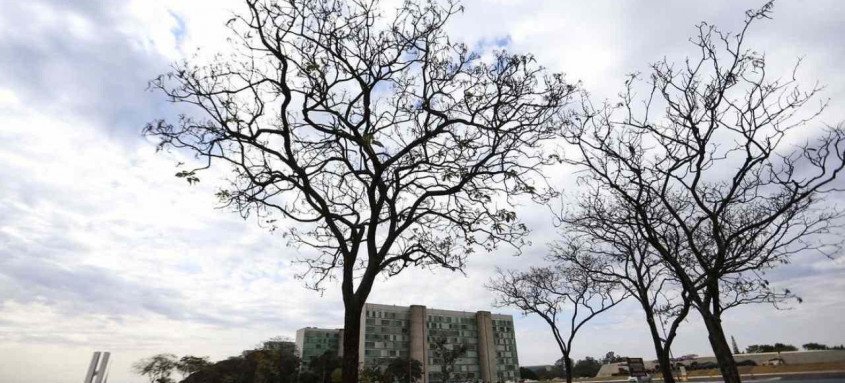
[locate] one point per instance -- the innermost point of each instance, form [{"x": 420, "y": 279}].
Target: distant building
[
  {"x": 621, "y": 368},
  {"x": 389, "y": 332},
  {"x": 312, "y": 342},
  {"x": 280, "y": 345}
]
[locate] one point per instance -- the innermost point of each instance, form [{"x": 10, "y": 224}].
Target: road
[
  {"x": 774, "y": 377},
  {"x": 783, "y": 377}
]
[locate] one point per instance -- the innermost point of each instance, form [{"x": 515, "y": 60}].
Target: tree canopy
[
  {"x": 157, "y": 368},
  {"x": 565, "y": 298},
  {"x": 369, "y": 136},
  {"x": 777, "y": 347},
  {"x": 710, "y": 157},
  {"x": 586, "y": 368},
  {"x": 402, "y": 370}
]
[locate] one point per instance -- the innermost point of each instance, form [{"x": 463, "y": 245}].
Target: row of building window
[
  {"x": 453, "y": 340},
  {"x": 452, "y": 326},
  {"x": 386, "y": 314},
  {"x": 387, "y": 322},
  {"x": 448, "y": 319},
  {"x": 319, "y": 342},
  {"x": 388, "y": 337},
  {"x": 452, "y": 333},
  {"x": 434, "y": 366},
  {"x": 387, "y": 345},
  {"x": 386, "y": 330},
  {"x": 506, "y": 335},
  {"x": 505, "y": 348},
  {"x": 384, "y": 354},
  {"x": 320, "y": 335},
  {"x": 505, "y": 364}
]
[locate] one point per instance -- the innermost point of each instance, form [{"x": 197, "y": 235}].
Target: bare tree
[
  {"x": 601, "y": 239},
  {"x": 369, "y": 135},
  {"x": 722, "y": 185},
  {"x": 565, "y": 298}
]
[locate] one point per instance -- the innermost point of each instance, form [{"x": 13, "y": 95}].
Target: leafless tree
[
  {"x": 601, "y": 239},
  {"x": 565, "y": 298},
  {"x": 711, "y": 160},
  {"x": 369, "y": 135}
]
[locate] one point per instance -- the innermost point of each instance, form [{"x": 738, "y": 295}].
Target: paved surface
[{"x": 779, "y": 377}]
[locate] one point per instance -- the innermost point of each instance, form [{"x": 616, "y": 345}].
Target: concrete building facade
[
  {"x": 312, "y": 342},
  {"x": 389, "y": 332}
]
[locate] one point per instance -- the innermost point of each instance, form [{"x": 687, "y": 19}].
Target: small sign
[{"x": 636, "y": 367}]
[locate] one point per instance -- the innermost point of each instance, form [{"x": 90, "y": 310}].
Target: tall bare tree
[
  {"x": 566, "y": 299},
  {"x": 710, "y": 157},
  {"x": 601, "y": 238},
  {"x": 369, "y": 135}
]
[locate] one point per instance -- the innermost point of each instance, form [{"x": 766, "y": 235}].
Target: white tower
[{"x": 98, "y": 368}]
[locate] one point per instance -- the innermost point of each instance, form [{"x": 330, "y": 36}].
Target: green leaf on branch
[{"x": 189, "y": 176}]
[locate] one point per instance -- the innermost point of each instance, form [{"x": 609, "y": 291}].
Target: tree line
[
  {"x": 267, "y": 363},
  {"x": 780, "y": 347},
  {"x": 583, "y": 368},
  {"x": 274, "y": 361},
  {"x": 375, "y": 139}
]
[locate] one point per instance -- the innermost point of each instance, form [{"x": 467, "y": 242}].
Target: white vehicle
[{"x": 639, "y": 379}]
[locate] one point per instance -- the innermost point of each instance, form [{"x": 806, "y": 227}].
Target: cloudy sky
[{"x": 101, "y": 248}]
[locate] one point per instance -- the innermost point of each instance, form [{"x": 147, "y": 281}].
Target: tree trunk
[
  {"x": 351, "y": 340},
  {"x": 567, "y": 367},
  {"x": 661, "y": 352},
  {"x": 666, "y": 366},
  {"x": 721, "y": 349}
]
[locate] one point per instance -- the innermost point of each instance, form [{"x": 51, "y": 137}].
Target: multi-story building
[
  {"x": 312, "y": 342},
  {"x": 280, "y": 345},
  {"x": 420, "y": 333}
]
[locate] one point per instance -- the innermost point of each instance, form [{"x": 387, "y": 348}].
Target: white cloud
[{"x": 102, "y": 248}]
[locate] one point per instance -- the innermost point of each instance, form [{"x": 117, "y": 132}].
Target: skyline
[{"x": 103, "y": 249}]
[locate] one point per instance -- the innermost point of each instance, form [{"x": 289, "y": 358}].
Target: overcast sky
[{"x": 101, "y": 248}]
